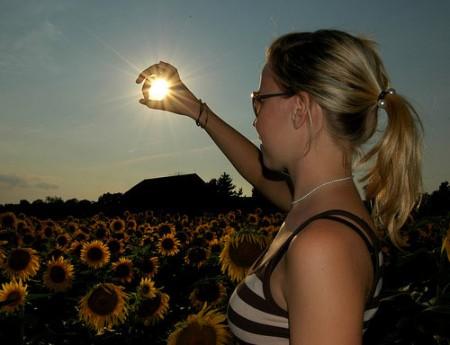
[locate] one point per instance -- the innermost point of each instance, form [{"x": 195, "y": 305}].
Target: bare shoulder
[
  {"x": 331, "y": 243},
  {"x": 327, "y": 234},
  {"x": 326, "y": 284}
]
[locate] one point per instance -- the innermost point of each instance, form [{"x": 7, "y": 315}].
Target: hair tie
[{"x": 380, "y": 101}]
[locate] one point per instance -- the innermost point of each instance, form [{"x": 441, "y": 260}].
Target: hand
[{"x": 179, "y": 99}]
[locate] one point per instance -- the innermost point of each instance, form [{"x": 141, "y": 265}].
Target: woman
[{"x": 318, "y": 102}]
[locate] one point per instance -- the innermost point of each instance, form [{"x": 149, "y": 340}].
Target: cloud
[
  {"x": 34, "y": 48},
  {"x": 14, "y": 181},
  {"x": 146, "y": 158}
]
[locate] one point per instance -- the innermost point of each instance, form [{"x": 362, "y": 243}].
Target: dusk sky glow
[{"x": 72, "y": 126}]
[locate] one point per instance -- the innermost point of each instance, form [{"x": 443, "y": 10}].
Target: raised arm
[{"x": 241, "y": 152}]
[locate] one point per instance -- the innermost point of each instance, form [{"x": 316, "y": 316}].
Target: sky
[{"x": 70, "y": 122}]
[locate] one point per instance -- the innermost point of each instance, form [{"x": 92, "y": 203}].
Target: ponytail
[
  {"x": 345, "y": 75},
  {"x": 395, "y": 181}
]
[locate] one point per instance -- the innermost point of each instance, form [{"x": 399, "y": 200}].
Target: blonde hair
[{"x": 345, "y": 76}]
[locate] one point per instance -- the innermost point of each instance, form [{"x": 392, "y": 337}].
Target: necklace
[{"x": 319, "y": 186}]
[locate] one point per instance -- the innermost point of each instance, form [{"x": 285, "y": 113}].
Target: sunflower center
[
  {"x": 61, "y": 240},
  {"x": 244, "y": 253},
  {"x": 145, "y": 289},
  {"x": 117, "y": 226},
  {"x": 19, "y": 259},
  {"x": 114, "y": 246},
  {"x": 57, "y": 274},
  {"x": 123, "y": 270},
  {"x": 164, "y": 230},
  {"x": 209, "y": 235},
  {"x": 208, "y": 292},
  {"x": 95, "y": 254},
  {"x": 13, "y": 297},
  {"x": 216, "y": 247},
  {"x": 167, "y": 243},
  {"x": 103, "y": 301},
  {"x": 197, "y": 254},
  {"x": 149, "y": 306},
  {"x": 8, "y": 221},
  {"x": 148, "y": 266},
  {"x": 195, "y": 334},
  {"x": 182, "y": 236},
  {"x": 101, "y": 232},
  {"x": 48, "y": 232}
]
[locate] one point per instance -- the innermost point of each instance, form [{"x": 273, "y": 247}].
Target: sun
[{"x": 159, "y": 89}]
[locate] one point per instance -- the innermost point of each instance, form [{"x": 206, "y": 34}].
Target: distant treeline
[{"x": 225, "y": 197}]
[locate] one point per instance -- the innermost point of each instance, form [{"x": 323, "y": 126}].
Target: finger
[
  {"x": 145, "y": 74},
  {"x": 146, "y": 88},
  {"x": 152, "y": 104}
]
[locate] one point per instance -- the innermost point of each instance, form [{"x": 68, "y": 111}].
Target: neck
[{"x": 313, "y": 179}]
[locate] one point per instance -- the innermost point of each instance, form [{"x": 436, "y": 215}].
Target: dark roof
[{"x": 169, "y": 191}]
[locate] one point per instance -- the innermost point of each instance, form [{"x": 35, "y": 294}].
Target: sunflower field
[{"x": 165, "y": 278}]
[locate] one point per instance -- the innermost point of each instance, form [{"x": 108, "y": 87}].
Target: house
[{"x": 178, "y": 191}]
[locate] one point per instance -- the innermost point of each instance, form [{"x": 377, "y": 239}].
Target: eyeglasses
[{"x": 257, "y": 98}]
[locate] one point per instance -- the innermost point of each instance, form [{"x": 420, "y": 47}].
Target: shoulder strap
[{"x": 373, "y": 245}]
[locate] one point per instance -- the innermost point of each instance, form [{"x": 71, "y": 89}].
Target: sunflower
[
  {"x": 12, "y": 296},
  {"x": 2, "y": 257},
  {"x": 184, "y": 236},
  {"x": 75, "y": 248},
  {"x": 8, "y": 220},
  {"x": 101, "y": 230},
  {"x": 23, "y": 227},
  {"x": 56, "y": 253},
  {"x": 63, "y": 240},
  {"x": 209, "y": 235},
  {"x": 131, "y": 224},
  {"x": 95, "y": 254},
  {"x": 28, "y": 237},
  {"x": 11, "y": 237},
  {"x": 207, "y": 327},
  {"x": 253, "y": 218},
  {"x": 239, "y": 252},
  {"x": 166, "y": 228},
  {"x": 116, "y": 246},
  {"x": 202, "y": 228},
  {"x": 117, "y": 225},
  {"x": 147, "y": 288},
  {"x": 168, "y": 245},
  {"x": 231, "y": 216},
  {"x": 105, "y": 305},
  {"x": 71, "y": 227},
  {"x": 215, "y": 246},
  {"x": 149, "y": 266},
  {"x": 48, "y": 231},
  {"x": 123, "y": 270},
  {"x": 59, "y": 274},
  {"x": 446, "y": 244},
  {"x": 208, "y": 291},
  {"x": 196, "y": 256},
  {"x": 214, "y": 224},
  {"x": 22, "y": 263},
  {"x": 80, "y": 235},
  {"x": 153, "y": 310},
  {"x": 146, "y": 240}
]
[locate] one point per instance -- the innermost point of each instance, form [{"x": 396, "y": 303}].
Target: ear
[{"x": 301, "y": 109}]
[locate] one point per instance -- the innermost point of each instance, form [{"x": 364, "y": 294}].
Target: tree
[{"x": 225, "y": 186}]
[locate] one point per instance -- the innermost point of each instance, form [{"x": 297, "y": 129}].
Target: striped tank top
[{"x": 255, "y": 318}]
